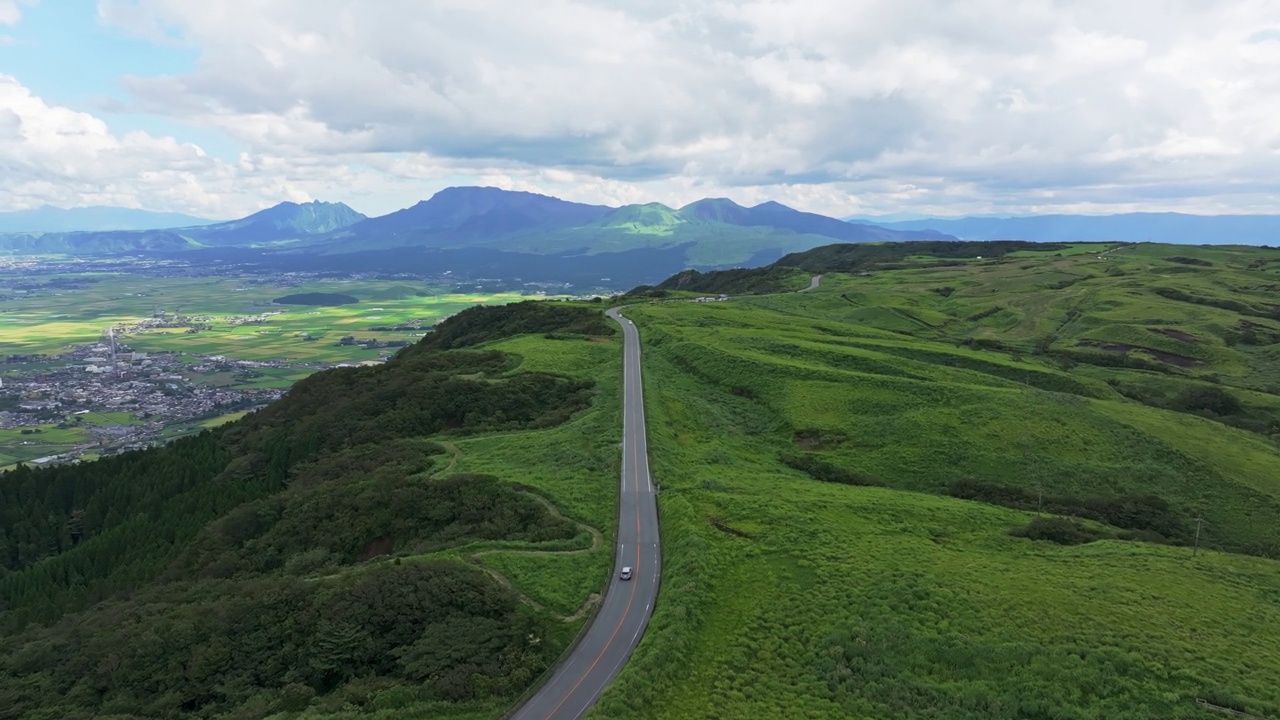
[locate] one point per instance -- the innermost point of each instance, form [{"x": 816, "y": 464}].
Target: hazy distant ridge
[
  {"x": 1129, "y": 227},
  {"x": 53, "y": 219},
  {"x": 708, "y": 233}
]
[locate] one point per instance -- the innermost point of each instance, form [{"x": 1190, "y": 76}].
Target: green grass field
[
  {"x": 47, "y": 321},
  {"x": 787, "y": 597},
  {"x": 575, "y": 466},
  {"x": 48, "y": 439},
  {"x": 37, "y": 442}
]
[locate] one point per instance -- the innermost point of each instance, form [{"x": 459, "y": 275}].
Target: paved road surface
[
  {"x": 813, "y": 283},
  {"x": 582, "y": 677}
]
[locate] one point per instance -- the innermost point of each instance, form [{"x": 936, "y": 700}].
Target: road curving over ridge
[{"x": 614, "y": 633}]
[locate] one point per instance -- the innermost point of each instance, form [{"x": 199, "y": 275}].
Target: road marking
[{"x": 630, "y": 597}]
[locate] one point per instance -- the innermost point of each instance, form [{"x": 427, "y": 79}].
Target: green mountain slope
[
  {"x": 336, "y": 551},
  {"x": 286, "y": 223},
  {"x": 851, "y": 475},
  {"x": 708, "y": 233}
]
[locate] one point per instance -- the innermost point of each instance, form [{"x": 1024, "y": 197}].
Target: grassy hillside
[
  {"x": 849, "y": 476},
  {"x": 420, "y": 539}
]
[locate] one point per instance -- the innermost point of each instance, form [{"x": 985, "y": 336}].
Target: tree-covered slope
[{"x": 316, "y": 553}]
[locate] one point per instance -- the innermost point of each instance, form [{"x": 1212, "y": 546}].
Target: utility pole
[{"x": 1196, "y": 549}]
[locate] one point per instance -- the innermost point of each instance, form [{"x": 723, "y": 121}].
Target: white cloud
[
  {"x": 58, "y": 156},
  {"x": 835, "y": 105},
  {"x": 10, "y": 12}
]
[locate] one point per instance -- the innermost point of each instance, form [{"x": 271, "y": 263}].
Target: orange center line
[{"x": 631, "y": 597}]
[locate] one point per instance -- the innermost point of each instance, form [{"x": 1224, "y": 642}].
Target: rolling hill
[{"x": 962, "y": 483}]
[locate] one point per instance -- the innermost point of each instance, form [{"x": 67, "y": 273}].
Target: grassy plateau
[{"x": 841, "y": 470}]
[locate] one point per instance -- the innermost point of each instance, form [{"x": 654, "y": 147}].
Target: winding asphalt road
[{"x": 621, "y": 620}]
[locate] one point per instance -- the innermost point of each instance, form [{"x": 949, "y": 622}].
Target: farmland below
[
  {"x": 77, "y": 309},
  {"x": 200, "y": 349},
  {"x": 1037, "y": 483}
]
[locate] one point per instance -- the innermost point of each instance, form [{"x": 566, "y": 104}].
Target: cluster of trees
[
  {"x": 738, "y": 281},
  {"x": 781, "y": 276},
  {"x": 419, "y": 394},
  {"x": 307, "y": 529},
  {"x": 171, "y": 581},
  {"x": 254, "y": 647},
  {"x": 316, "y": 299},
  {"x": 1243, "y": 308},
  {"x": 106, "y": 526},
  {"x": 1148, "y": 514},
  {"x": 1208, "y": 401},
  {"x": 856, "y": 257},
  {"x": 819, "y": 469},
  {"x": 1184, "y": 260},
  {"x": 75, "y": 535},
  {"x": 1062, "y": 531},
  {"x": 483, "y": 323}
]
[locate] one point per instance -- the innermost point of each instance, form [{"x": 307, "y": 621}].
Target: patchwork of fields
[
  {"x": 231, "y": 317},
  {"x": 45, "y": 321},
  {"x": 810, "y": 447}
]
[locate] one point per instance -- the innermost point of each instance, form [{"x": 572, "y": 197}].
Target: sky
[{"x": 844, "y": 107}]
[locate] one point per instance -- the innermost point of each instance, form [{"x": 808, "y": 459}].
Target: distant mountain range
[
  {"x": 713, "y": 232},
  {"x": 494, "y": 227},
  {"x": 1129, "y": 227},
  {"x": 488, "y": 232},
  {"x": 284, "y": 224},
  {"x": 53, "y": 219}
]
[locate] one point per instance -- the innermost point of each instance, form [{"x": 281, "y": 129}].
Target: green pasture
[
  {"x": 788, "y": 597},
  {"x": 41, "y": 441},
  {"x": 104, "y": 419},
  {"x": 223, "y": 419},
  {"x": 52, "y": 440},
  {"x": 575, "y": 466}
]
